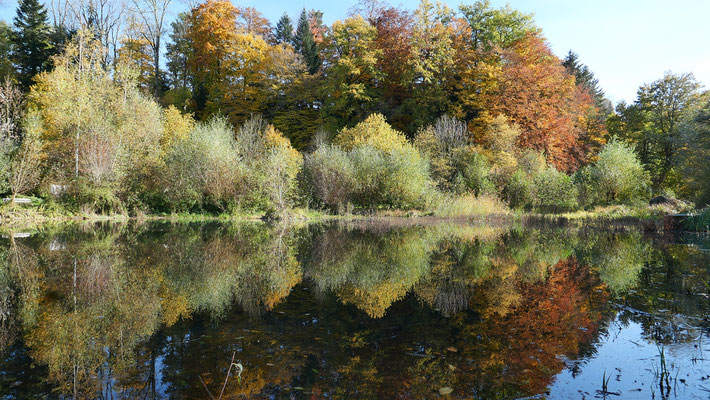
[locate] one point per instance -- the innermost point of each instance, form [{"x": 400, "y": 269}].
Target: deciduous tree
[
  {"x": 669, "y": 101},
  {"x": 100, "y": 131},
  {"x": 136, "y": 52},
  {"x": 179, "y": 51},
  {"x": 7, "y": 69},
  {"x": 213, "y": 32},
  {"x": 249, "y": 20},
  {"x": 535, "y": 92},
  {"x": 432, "y": 61},
  {"x": 105, "y": 18},
  {"x": 696, "y": 158},
  {"x": 152, "y": 13},
  {"x": 27, "y": 161},
  {"x": 394, "y": 30},
  {"x": 496, "y": 28},
  {"x": 352, "y": 74}
]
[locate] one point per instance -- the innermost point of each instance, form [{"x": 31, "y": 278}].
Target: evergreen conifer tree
[
  {"x": 284, "y": 30},
  {"x": 32, "y": 41},
  {"x": 305, "y": 44}
]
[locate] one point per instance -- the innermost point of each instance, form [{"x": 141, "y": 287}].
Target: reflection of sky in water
[
  {"x": 160, "y": 387},
  {"x": 632, "y": 362}
]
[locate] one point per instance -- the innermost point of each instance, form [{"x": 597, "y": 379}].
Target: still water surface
[{"x": 386, "y": 310}]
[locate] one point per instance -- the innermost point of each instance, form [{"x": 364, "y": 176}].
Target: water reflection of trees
[
  {"x": 88, "y": 303},
  {"x": 672, "y": 299},
  {"x": 370, "y": 270},
  {"x": 485, "y": 310}
]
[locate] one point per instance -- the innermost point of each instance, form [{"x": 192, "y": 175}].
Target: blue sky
[{"x": 625, "y": 42}]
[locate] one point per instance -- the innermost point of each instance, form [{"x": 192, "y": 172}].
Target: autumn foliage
[
  {"x": 534, "y": 91},
  {"x": 384, "y": 101}
]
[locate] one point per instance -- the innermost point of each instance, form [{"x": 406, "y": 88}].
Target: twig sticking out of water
[
  {"x": 228, "y": 371},
  {"x": 605, "y": 382},
  {"x": 239, "y": 375},
  {"x": 226, "y": 379}
]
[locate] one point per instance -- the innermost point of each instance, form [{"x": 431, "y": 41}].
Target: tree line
[{"x": 386, "y": 108}]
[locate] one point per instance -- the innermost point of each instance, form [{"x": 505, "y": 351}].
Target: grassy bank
[{"x": 482, "y": 208}]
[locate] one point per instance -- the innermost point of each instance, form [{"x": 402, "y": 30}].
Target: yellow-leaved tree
[
  {"x": 236, "y": 69},
  {"x": 136, "y": 53},
  {"x": 100, "y": 132},
  {"x": 374, "y": 132}
]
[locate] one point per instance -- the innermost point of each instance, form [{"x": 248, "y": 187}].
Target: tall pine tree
[
  {"x": 32, "y": 41},
  {"x": 305, "y": 44},
  {"x": 284, "y": 30}
]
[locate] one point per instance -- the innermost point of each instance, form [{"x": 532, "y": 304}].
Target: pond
[{"x": 393, "y": 309}]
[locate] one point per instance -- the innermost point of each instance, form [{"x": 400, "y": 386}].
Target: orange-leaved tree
[{"x": 535, "y": 91}]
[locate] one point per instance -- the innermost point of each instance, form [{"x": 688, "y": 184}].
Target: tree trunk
[
  {"x": 157, "y": 68},
  {"x": 76, "y": 155}
]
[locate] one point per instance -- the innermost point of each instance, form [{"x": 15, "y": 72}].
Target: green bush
[
  {"x": 281, "y": 169},
  {"x": 699, "y": 222},
  {"x": 203, "y": 167},
  {"x": 617, "y": 176},
  {"x": 6, "y": 150},
  {"x": 531, "y": 162},
  {"x": 370, "y": 168},
  {"x": 95, "y": 199},
  {"x": 586, "y": 190},
  {"x": 374, "y": 132},
  {"x": 368, "y": 177},
  {"x": 215, "y": 169},
  {"x": 407, "y": 183},
  {"x": 442, "y": 170},
  {"x": 473, "y": 172},
  {"x": 329, "y": 177},
  {"x": 270, "y": 166},
  {"x": 183, "y": 169},
  {"x": 519, "y": 191},
  {"x": 455, "y": 165},
  {"x": 554, "y": 191}
]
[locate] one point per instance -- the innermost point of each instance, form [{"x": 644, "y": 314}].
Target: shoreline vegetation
[
  {"x": 389, "y": 113},
  {"x": 652, "y": 218}
]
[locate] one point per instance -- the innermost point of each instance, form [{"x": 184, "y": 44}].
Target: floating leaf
[{"x": 445, "y": 390}]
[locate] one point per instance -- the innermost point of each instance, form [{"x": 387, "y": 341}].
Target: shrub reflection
[{"x": 352, "y": 310}]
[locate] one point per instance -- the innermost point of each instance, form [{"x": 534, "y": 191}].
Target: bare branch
[{"x": 152, "y": 13}]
